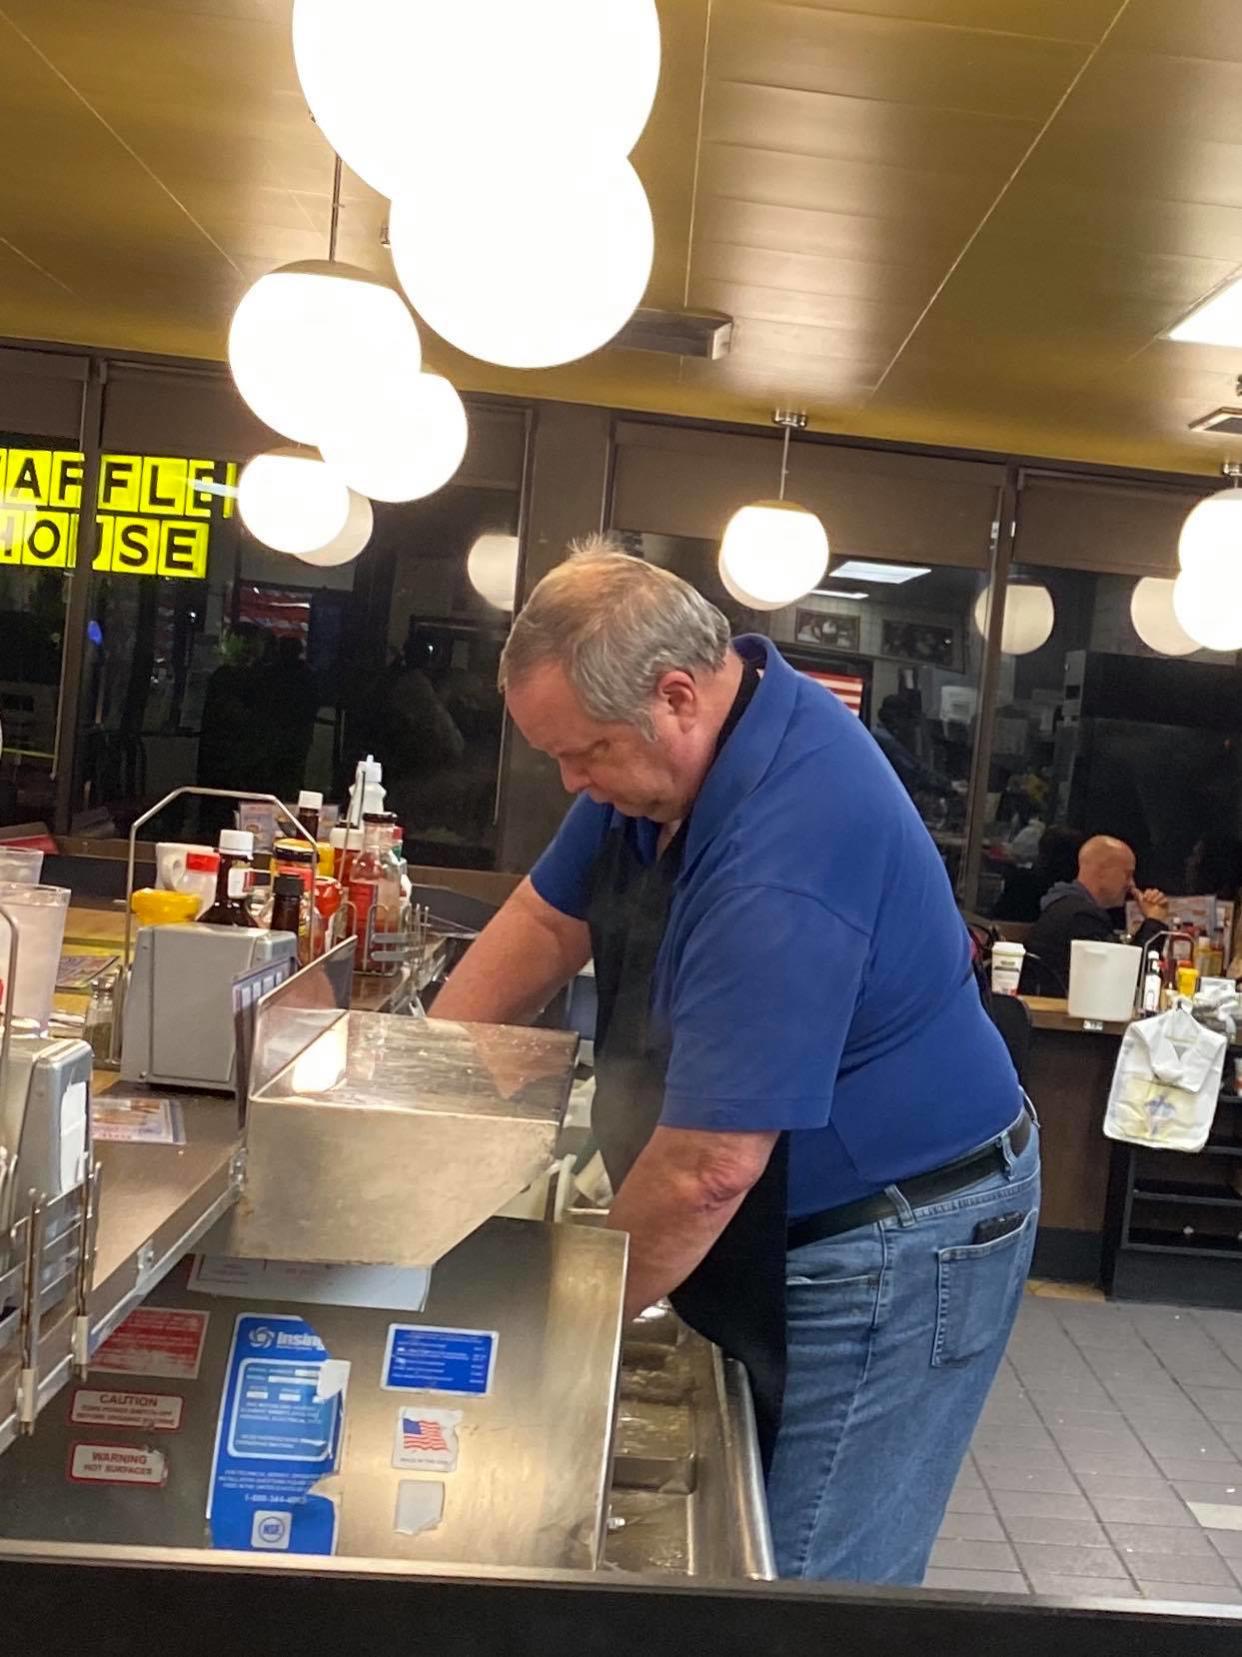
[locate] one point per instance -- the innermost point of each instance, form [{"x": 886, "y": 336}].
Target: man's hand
[
  {"x": 1153, "y": 903},
  {"x": 680, "y": 1195}
]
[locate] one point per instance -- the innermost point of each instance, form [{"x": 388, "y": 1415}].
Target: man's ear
[{"x": 679, "y": 692}]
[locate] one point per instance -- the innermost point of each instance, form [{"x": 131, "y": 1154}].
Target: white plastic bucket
[{"x": 1103, "y": 980}]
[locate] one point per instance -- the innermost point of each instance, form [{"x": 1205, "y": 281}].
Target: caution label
[
  {"x": 155, "y": 1340},
  {"x": 157, "y": 1412},
  {"x": 117, "y": 1464}
]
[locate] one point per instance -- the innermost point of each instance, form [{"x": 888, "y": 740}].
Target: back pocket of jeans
[{"x": 978, "y": 1289}]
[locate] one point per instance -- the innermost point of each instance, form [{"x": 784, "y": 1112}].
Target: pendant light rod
[
  {"x": 334, "y": 224},
  {"x": 1232, "y": 469},
  {"x": 792, "y": 420}
]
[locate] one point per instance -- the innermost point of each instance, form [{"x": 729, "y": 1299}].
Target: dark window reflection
[
  {"x": 32, "y": 619},
  {"x": 1097, "y": 733},
  {"x": 271, "y": 675},
  {"x": 896, "y": 643}
]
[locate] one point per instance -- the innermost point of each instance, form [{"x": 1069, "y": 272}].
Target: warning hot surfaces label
[
  {"x": 158, "y": 1412},
  {"x": 116, "y": 1464}
]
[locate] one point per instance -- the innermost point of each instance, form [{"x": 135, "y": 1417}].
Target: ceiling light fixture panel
[
  {"x": 1216, "y": 320},
  {"x": 864, "y": 569}
]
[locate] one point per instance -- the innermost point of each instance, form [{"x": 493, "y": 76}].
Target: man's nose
[{"x": 573, "y": 778}]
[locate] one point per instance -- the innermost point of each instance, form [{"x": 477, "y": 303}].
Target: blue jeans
[{"x": 896, "y": 1331}]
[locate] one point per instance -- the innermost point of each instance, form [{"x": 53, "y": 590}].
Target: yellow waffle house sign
[{"x": 154, "y": 516}]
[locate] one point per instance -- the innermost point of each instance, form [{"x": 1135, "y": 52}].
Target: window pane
[
  {"x": 1098, "y": 733},
  {"x": 39, "y": 496},
  {"x": 256, "y": 671},
  {"x": 897, "y": 643}
]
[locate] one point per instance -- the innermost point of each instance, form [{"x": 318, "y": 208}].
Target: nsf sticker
[{"x": 271, "y": 1532}]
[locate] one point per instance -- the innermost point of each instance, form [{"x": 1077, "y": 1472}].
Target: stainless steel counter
[{"x": 535, "y": 1454}]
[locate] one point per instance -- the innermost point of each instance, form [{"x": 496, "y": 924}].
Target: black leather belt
[{"x": 920, "y": 1191}]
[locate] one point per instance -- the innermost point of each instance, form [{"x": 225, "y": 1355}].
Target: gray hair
[{"x": 616, "y": 625}]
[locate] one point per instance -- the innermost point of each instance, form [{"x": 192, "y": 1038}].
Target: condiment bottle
[
  {"x": 374, "y": 891},
  {"x": 329, "y": 899},
  {"x": 296, "y": 857},
  {"x": 232, "y": 882},
  {"x": 1153, "y": 983},
  {"x": 310, "y": 804},
  {"x": 287, "y": 911}
]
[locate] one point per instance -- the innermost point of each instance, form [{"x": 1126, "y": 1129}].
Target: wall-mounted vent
[{"x": 1223, "y": 422}]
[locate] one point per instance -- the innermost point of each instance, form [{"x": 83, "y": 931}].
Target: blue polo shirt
[{"x": 815, "y": 974}]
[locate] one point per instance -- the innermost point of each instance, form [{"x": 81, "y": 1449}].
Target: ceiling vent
[
  {"x": 1222, "y": 422},
  {"x": 706, "y": 334}
]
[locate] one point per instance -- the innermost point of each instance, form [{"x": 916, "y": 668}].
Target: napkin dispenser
[{"x": 179, "y": 1026}]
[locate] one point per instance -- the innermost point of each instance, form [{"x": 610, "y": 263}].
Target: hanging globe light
[
  {"x": 318, "y": 341},
  {"x": 292, "y": 502},
  {"x": 406, "y": 443},
  {"x": 1211, "y": 537},
  {"x": 352, "y": 539},
  {"x": 1029, "y": 617},
  {"x": 1154, "y": 619},
  {"x": 774, "y": 550},
  {"x": 524, "y": 267},
  {"x": 772, "y": 553},
  {"x": 390, "y": 82},
  {"x": 1208, "y": 605},
  {"x": 492, "y": 566}
]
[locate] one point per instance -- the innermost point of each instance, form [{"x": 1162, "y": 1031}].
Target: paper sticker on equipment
[
  {"x": 158, "y": 1412},
  {"x": 426, "y": 1438},
  {"x": 155, "y": 1340},
  {"x": 117, "y": 1464},
  {"x": 421, "y": 1359},
  {"x": 420, "y": 1506}
]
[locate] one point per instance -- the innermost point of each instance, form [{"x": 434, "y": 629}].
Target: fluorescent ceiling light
[
  {"x": 861, "y": 569},
  {"x": 1217, "y": 321},
  {"x": 827, "y": 592}
]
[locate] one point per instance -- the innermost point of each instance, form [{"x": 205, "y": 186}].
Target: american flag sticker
[{"x": 426, "y": 1437}]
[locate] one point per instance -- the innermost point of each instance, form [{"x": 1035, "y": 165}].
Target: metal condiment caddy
[{"x": 47, "y": 1248}]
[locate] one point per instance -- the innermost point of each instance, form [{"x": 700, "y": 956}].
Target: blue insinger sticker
[
  {"x": 279, "y": 1432},
  {"x": 418, "y": 1359}
]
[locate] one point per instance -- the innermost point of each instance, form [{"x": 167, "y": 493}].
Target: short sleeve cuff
[{"x": 744, "y": 1116}]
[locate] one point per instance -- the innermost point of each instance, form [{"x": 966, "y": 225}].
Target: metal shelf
[
  {"x": 154, "y": 1203},
  {"x": 1189, "y": 1195},
  {"x": 1218, "y": 1248}
]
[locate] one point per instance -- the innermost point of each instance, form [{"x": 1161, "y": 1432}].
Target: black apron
[{"x": 736, "y": 1296}]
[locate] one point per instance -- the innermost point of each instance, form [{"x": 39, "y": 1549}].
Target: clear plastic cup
[
  {"x": 39, "y": 913},
  {"x": 19, "y": 866}
]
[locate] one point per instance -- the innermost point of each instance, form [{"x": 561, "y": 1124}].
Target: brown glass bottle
[{"x": 229, "y": 907}]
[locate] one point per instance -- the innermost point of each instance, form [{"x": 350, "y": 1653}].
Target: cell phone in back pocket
[{"x": 990, "y": 1231}]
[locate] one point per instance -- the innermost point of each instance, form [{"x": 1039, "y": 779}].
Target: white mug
[{"x": 172, "y": 874}]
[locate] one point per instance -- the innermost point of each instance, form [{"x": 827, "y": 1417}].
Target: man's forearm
[
  {"x": 676, "y": 1202},
  {"x": 517, "y": 964}
]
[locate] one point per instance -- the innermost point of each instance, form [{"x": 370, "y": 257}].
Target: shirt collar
[{"x": 749, "y": 752}]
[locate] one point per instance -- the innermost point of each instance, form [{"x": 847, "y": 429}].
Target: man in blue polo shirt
[{"x": 817, "y": 1141}]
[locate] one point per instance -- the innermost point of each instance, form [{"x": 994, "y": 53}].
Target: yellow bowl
[{"x": 158, "y": 908}]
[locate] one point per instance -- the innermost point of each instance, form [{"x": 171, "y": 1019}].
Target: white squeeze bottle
[{"x": 366, "y": 798}]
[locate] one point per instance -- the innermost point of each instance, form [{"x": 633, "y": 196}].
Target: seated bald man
[{"x": 1080, "y": 909}]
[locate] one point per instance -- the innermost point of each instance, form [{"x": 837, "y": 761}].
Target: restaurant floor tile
[{"x": 1108, "y": 1462}]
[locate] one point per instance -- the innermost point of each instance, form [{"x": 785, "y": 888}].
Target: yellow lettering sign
[
  {"x": 136, "y": 546},
  {"x": 49, "y": 539},
  {"x": 154, "y": 518},
  {"x": 183, "y": 550}
]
